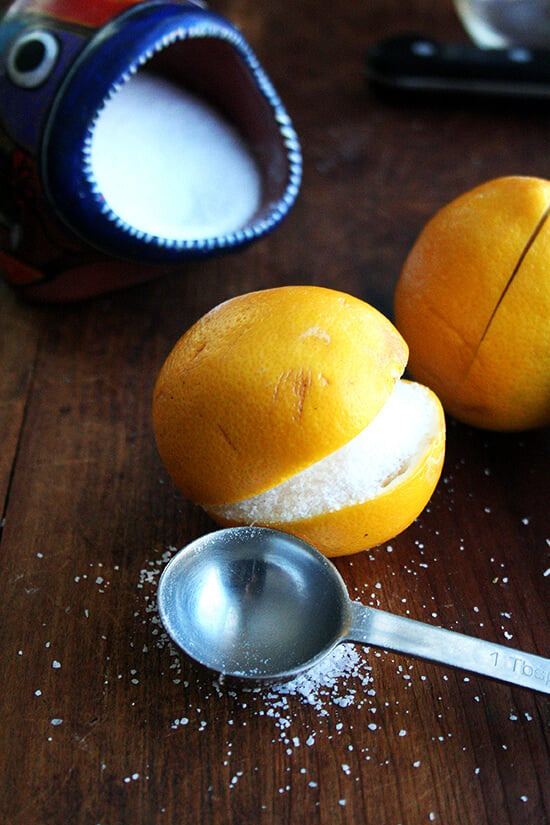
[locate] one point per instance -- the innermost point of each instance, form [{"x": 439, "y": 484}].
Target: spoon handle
[{"x": 377, "y": 628}]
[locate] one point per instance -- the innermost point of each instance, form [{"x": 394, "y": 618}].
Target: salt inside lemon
[{"x": 381, "y": 455}]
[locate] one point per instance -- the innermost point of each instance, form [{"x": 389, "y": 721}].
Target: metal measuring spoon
[{"x": 259, "y": 604}]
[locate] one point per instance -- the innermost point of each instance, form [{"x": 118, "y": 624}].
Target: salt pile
[
  {"x": 330, "y": 681},
  {"x": 169, "y": 165}
]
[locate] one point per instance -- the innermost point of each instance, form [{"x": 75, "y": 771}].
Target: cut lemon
[
  {"x": 473, "y": 302},
  {"x": 285, "y": 408}
]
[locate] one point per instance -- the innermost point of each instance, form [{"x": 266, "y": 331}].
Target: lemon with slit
[
  {"x": 285, "y": 408},
  {"x": 473, "y": 302}
]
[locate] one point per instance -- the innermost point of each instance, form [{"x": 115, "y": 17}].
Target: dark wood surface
[{"x": 101, "y": 721}]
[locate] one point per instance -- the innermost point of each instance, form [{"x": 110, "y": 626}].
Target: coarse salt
[{"x": 169, "y": 165}]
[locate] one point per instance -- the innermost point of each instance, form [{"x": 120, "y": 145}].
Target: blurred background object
[{"x": 502, "y": 23}]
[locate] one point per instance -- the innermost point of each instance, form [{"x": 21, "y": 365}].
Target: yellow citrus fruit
[
  {"x": 473, "y": 303},
  {"x": 284, "y": 407}
]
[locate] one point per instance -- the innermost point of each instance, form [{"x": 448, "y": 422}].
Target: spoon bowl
[
  {"x": 259, "y": 604},
  {"x": 253, "y": 603}
]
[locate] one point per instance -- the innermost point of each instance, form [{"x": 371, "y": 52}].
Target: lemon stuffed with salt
[{"x": 286, "y": 408}]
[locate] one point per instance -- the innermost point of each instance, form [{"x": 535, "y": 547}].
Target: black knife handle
[{"x": 417, "y": 64}]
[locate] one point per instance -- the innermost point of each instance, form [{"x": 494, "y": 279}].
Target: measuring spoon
[{"x": 259, "y": 604}]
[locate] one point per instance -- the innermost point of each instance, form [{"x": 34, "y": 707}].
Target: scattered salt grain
[
  {"x": 132, "y": 778},
  {"x": 177, "y": 722}
]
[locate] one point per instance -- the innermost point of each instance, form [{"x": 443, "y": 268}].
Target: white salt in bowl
[{"x": 168, "y": 140}]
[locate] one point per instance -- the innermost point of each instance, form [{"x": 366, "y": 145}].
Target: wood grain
[{"x": 102, "y": 722}]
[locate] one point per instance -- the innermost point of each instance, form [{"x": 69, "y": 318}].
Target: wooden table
[{"x": 102, "y": 722}]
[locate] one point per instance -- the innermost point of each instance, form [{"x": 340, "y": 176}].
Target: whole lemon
[
  {"x": 284, "y": 408},
  {"x": 473, "y": 303}
]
